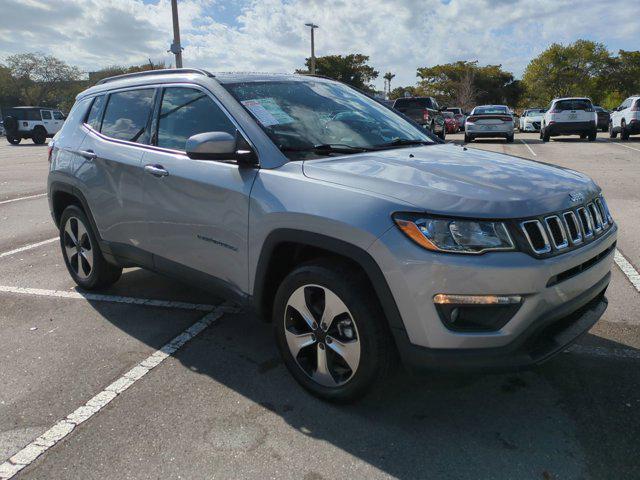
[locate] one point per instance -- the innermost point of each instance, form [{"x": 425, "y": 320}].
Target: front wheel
[
  {"x": 39, "y": 136},
  {"x": 82, "y": 255},
  {"x": 612, "y": 132},
  {"x": 443, "y": 133},
  {"x": 331, "y": 332}
]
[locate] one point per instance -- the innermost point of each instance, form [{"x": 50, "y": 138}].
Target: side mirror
[{"x": 220, "y": 146}]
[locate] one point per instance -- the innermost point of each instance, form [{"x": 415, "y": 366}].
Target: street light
[
  {"x": 312, "y": 26},
  {"x": 176, "y": 48}
]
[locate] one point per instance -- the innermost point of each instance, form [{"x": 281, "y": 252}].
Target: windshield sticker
[{"x": 267, "y": 111}]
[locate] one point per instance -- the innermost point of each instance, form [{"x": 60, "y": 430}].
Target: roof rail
[{"x": 145, "y": 73}]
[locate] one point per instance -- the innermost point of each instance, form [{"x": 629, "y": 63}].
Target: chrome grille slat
[
  {"x": 585, "y": 222},
  {"x": 558, "y": 238},
  {"x": 570, "y": 216},
  {"x": 595, "y": 216},
  {"x": 546, "y": 247}
]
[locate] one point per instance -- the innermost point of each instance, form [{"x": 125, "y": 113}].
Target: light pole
[
  {"x": 176, "y": 49},
  {"x": 312, "y": 26}
]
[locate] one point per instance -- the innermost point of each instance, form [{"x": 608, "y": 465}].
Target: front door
[
  {"x": 47, "y": 120},
  {"x": 196, "y": 210}
]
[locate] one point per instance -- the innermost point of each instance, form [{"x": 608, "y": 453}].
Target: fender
[{"x": 339, "y": 247}]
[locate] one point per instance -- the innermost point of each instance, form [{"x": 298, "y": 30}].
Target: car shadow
[{"x": 553, "y": 421}]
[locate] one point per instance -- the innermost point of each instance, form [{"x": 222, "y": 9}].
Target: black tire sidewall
[
  {"x": 39, "y": 136},
  {"x": 13, "y": 140},
  {"x": 96, "y": 277},
  {"x": 348, "y": 287}
]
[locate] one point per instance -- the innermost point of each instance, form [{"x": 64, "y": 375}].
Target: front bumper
[
  {"x": 532, "y": 127},
  {"x": 551, "y": 315}
]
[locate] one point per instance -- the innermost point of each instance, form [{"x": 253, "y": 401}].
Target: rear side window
[
  {"x": 127, "y": 115},
  {"x": 580, "y": 104},
  {"x": 46, "y": 115},
  {"x": 93, "y": 118},
  {"x": 186, "y": 112}
]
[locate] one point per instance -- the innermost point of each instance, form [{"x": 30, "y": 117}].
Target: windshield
[
  {"x": 448, "y": 114},
  {"x": 490, "y": 111},
  {"x": 299, "y": 116},
  {"x": 534, "y": 113}
]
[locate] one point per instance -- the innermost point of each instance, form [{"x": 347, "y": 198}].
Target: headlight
[{"x": 454, "y": 235}]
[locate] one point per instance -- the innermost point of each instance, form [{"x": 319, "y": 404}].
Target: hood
[{"x": 447, "y": 179}]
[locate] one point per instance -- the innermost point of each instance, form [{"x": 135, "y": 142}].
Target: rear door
[
  {"x": 112, "y": 175},
  {"x": 196, "y": 210}
]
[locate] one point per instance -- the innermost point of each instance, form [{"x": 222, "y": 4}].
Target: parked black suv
[{"x": 424, "y": 111}]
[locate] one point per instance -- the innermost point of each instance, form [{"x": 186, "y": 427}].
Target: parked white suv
[
  {"x": 625, "y": 119},
  {"x": 36, "y": 123},
  {"x": 570, "y": 116}
]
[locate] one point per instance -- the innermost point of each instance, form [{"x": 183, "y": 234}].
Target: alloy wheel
[
  {"x": 78, "y": 248},
  {"x": 322, "y": 335}
]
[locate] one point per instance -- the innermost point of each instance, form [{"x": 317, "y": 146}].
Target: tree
[
  {"x": 351, "y": 69},
  {"x": 577, "y": 69},
  {"x": 400, "y": 92},
  {"x": 40, "y": 79},
  {"x": 113, "y": 70},
  {"x": 466, "y": 81},
  {"x": 388, "y": 77}
]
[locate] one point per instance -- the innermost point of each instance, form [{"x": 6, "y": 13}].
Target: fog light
[{"x": 476, "y": 313}]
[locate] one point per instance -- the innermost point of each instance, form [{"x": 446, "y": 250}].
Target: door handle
[
  {"x": 156, "y": 170},
  {"x": 88, "y": 154}
]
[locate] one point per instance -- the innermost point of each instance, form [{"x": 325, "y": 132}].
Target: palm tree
[{"x": 388, "y": 77}]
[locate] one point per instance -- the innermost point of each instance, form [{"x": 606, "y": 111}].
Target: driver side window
[{"x": 185, "y": 112}]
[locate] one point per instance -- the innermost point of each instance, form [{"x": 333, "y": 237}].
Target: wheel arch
[
  {"x": 284, "y": 249},
  {"x": 62, "y": 195}
]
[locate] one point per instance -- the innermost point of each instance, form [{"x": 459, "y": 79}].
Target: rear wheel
[
  {"x": 331, "y": 332},
  {"x": 624, "y": 134},
  {"x": 583, "y": 136},
  {"x": 593, "y": 135},
  {"x": 39, "y": 136},
  {"x": 468, "y": 138},
  {"x": 612, "y": 132},
  {"x": 443, "y": 133},
  {"x": 82, "y": 255},
  {"x": 544, "y": 135},
  {"x": 13, "y": 140},
  {"x": 509, "y": 138}
]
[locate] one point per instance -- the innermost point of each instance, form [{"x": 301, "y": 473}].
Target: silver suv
[{"x": 362, "y": 237}]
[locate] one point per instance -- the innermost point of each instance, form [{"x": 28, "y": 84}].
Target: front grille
[{"x": 567, "y": 229}]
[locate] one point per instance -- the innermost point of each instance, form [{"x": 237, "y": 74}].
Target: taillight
[
  {"x": 506, "y": 119},
  {"x": 425, "y": 114},
  {"x": 49, "y": 152}
]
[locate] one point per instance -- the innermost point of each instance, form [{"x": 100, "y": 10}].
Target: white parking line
[
  {"x": 98, "y": 297},
  {"x": 64, "y": 427},
  {"x": 530, "y": 149},
  {"x": 626, "y": 267},
  {"x": 27, "y": 247},
  {"x": 23, "y": 198}
]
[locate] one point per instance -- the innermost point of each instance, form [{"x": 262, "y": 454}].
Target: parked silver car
[
  {"x": 357, "y": 233},
  {"x": 489, "y": 121}
]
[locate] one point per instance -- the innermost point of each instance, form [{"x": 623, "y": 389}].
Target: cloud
[{"x": 269, "y": 35}]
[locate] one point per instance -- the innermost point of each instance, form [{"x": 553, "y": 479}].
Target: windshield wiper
[
  {"x": 400, "y": 142},
  {"x": 327, "y": 148}
]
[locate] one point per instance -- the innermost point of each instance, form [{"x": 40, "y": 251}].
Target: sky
[{"x": 270, "y": 36}]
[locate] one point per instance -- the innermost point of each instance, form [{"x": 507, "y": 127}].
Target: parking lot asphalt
[{"x": 219, "y": 404}]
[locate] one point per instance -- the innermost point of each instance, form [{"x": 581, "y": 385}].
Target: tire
[
  {"x": 624, "y": 133},
  {"x": 612, "y": 132},
  {"x": 10, "y": 124},
  {"x": 544, "y": 135},
  {"x": 443, "y": 134},
  {"x": 39, "y": 136},
  {"x": 13, "y": 140},
  {"x": 360, "y": 325},
  {"x": 509, "y": 138},
  {"x": 583, "y": 136},
  {"x": 604, "y": 129},
  {"x": 83, "y": 257},
  {"x": 468, "y": 138},
  {"x": 593, "y": 135}
]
